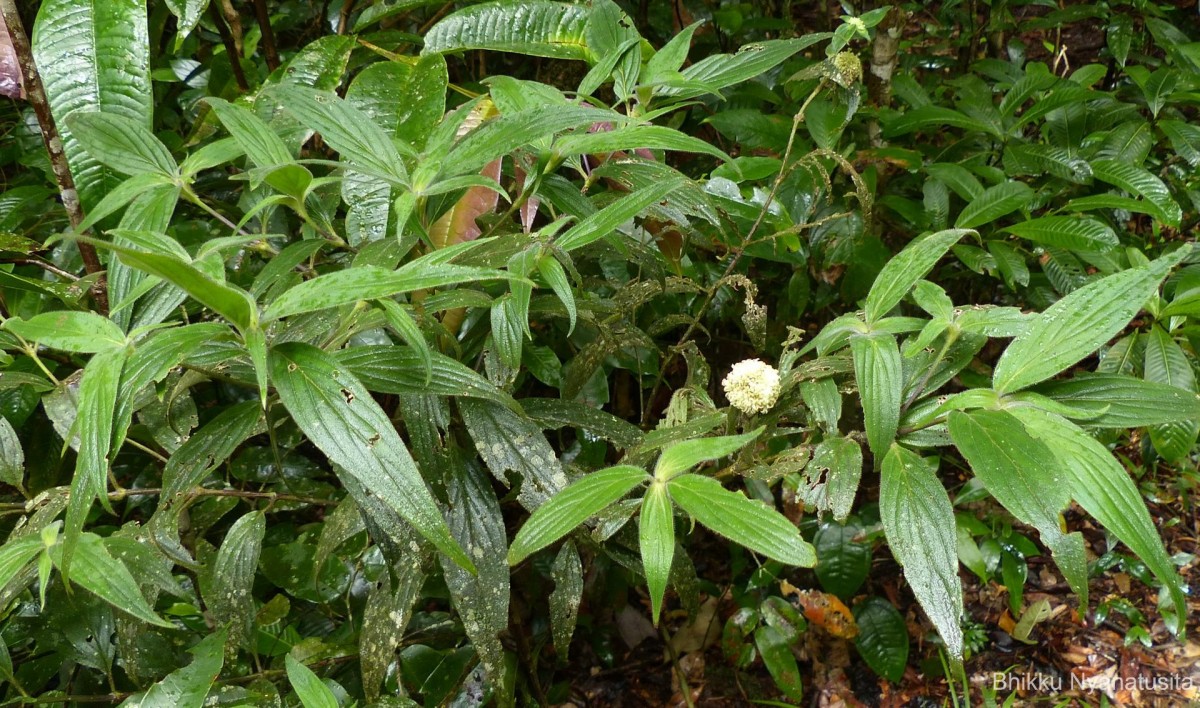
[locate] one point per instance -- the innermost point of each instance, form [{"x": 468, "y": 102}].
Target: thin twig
[
  {"x": 50, "y": 267},
  {"x": 235, "y": 57},
  {"x": 36, "y": 93},
  {"x": 268, "y": 35}
]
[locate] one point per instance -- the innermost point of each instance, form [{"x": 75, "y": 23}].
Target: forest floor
[{"x": 1065, "y": 662}]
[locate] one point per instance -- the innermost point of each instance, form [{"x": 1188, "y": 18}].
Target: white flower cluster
[{"x": 752, "y": 386}]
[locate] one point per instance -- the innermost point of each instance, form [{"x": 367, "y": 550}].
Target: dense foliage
[{"x": 387, "y": 343}]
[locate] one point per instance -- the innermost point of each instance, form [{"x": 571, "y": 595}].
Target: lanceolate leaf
[
  {"x": 122, "y": 143},
  {"x": 104, "y": 576},
  {"x": 229, "y": 597},
  {"x": 1166, "y": 363},
  {"x": 1017, "y": 470},
  {"x": 721, "y": 70},
  {"x": 1126, "y": 402},
  {"x": 994, "y": 203},
  {"x": 501, "y": 136},
  {"x": 1104, "y": 489},
  {"x": 1138, "y": 181},
  {"x": 634, "y": 137},
  {"x": 399, "y": 370},
  {"x": 93, "y": 56},
  {"x": 656, "y": 540},
  {"x": 1067, "y": 232},
  {"x": 509, "y": 442},
  {"x": 385, "y": 617},
  {"x": 338, "y": 414},
  {"x": 685, "y": 455},
  {"x": 210, "y": 446},
  {"x": 564, "y": 601},
  {"x": 1074, "y": 327},
  {"x": 919, "y": 522},
  {"x": 536, "y": 27},
  {"x": 82, "y": 332},
  {"x": 880, "y": 386},
  {"x": 309, "y": 689},
  {"x": 904, "y": 270},
  {"x": 571, "y": 507},
  {"x": 742, "y": 520},
  {"x": 187, "y": 687},
  {"x": 605, "y": 221},
  {"x": 481, "y": 599}
]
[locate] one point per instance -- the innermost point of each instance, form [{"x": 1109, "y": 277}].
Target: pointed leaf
[
  {"x": 534, "y": 27},
  {"x": 99, "y": 573},
  {"x": 656, "y": 540},
  {"x": 339, "y": 416},
  {"x": 919, "y": 523},
  {"x": 187, "y": 687},
  {"x": 742, "y": 520},
  {"x": 80, "y": 332},
  {"x": 308, "y": 686},
  {"x": 605, "y": 221},
  {"x": 571, "y": 507},
  {"x": 1079, "y": 234},
  {"x": 230, "y": 596},
  {"x": 124, "y": 144},
  {"x": 995, "y": 202},
  {"x": 880, "y": 377},
  {"x": 681, "y": 457},
  {"x": 903, "y": 271}
]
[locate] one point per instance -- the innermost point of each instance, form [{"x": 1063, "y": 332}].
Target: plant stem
[
  {"x": 36, "y": 93},
  {"x": 235, "y": 57},
  {"x": 268, "y": 35}
]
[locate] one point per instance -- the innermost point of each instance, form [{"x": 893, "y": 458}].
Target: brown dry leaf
[
  {"x": 11, "y": 84},
  {"x": 701, "y": 633}
]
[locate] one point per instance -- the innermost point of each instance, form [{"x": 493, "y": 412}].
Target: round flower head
[{"x": 752, "y": 386}]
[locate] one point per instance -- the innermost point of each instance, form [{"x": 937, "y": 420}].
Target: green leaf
[
  {"x": 12, "y": 457},
  {"x": 94, "y": 426},
  {"x": 481, "y": 598},
  {"x": 919, "y": 523},
  {"x": 841, "y": 461},
  {"x": 187, "y": 687},
  {"x": 556, "y": 413},
  {"x": 935, "y": 117},
  {"x": 229, "y": 594},
  {"x": 1105, "y": 490},
  {"x": 656, "y": 540},
  {"x": 339, "y": 416},
  {"x": 500, "y": 136},
  {"x": 995, "y": 202},
  {"x": 605, "y": 221},
  {"x": 1074, "y": 327},
  {"x": 399, "y": 370},
  {"x": 1079, "y": 234},
  {"x": 843, "y": 560},
  {"x": 903, "y": 271},
  {"x": 1124, "y": 401},
  {"x": 80, "y": 332},
  {"x": 93, "y": 56},
  {"x": 510, "y": 442},
  {"x": 99, "y": 573},
  {"x": 188, "y": 13},
  {"x": 308, "y": 686},
  {"x": 508, "y": 330},
  {"x": 535, "y": 27},
  {"x": 742, "y": 520},
  {"x": 344, "y": 287},
  {"x": 567, "y": 575},
  {"x": 1140, "y": 182},
  {"x": 16, "y": 554},
  {"x": 556, "y": 277},
  {"x": 210, "y": 446},
  {"x": 776, "y": 651},
  {"x": 124, "y": 144},
  {"x": 882, "y": 639},
  {"x": 1016, "y": 469},
  {"x": 1166, "y": 363},
  {"x": 633, "y": 137},
  {"x": 880, "y": 378},
  {"x": 346, "y": 129},
  {"x": 385, "y": 617},
  {"x": 681, "y": 457},
  {"x": 261, "y": 144},
  {"x": 718, "y": 71},
  {"x": 566, "y": 510}
]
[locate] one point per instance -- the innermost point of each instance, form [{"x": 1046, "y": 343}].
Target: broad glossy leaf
[
  {"x": 882, "y": 639},
  {"x": 1080, "y": 234},
  {"x": 1074, "y": 327},
  {"x": 995, "y": 202},
  {"x": 1016, "y": 468},
  {"x": 1185, "y": 138},
  {"x": 81, "y": 332},
  {"x": 93, "y": 56},
  {"x": 500, "y": 136},
  {"x": 1166, "y": 363},
  {"x": 935, "y": 117},
  {"x": 308, "y": 686},
  {"x": 742, "y": 520},
  {"x": 605, "y": 221},
  {"x": 122, "y": 143},
  {"x": 843, "y": 559},
  {"x": 776, "y": 650},
  {"x": 189, "y": 686},
  {"x": 482, "y": 598},
  {"x": 903, "y": 271},
  {"x": 1105, "y": 490},
  {"x": 880, "y": 377},
  {"x": 571, "y": 507},
  {"x": 1125, "y": 401},
  {"x": 567, "y": 575},
  {"x": 535, "y": 27},
  {"x": 634, "y": 137},
  {"x": 95, "y": 570},
  {"x": 718, "y": 71},
  {"x": 339, "y": 416},
  {"x": 1140, "y": 182},
  {"x": 656, "y": 541},
  {"x": 343, "y": 287},
  {"x": 919, "y": 523},
  {"x": 12, "y": 457},
  {"x": 230, "y": 596},
  {"x": 681, "y": 457}
]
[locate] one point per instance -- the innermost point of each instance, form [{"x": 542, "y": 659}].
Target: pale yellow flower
[{"x": 752, "y": 386}]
